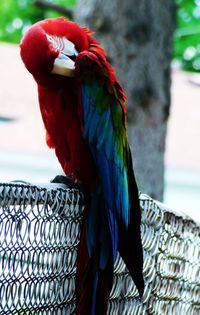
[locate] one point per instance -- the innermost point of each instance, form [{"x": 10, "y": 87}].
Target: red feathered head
[{"x": 51, "y": 46}]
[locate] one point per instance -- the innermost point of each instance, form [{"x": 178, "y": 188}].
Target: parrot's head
[{"x": 51, "y": 47}]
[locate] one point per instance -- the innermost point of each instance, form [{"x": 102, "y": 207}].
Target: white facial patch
[{"x": 62, "y": 44}]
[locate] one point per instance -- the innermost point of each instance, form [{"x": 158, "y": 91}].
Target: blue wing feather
[
  {"x": 101, "y": 136},
  {"x": 112, "y": 224}
]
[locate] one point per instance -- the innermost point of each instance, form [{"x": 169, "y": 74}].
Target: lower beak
[{"x": 63, "y": 65}]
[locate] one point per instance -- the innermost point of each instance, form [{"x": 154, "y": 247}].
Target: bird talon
[{"x": 67, "y": 180}]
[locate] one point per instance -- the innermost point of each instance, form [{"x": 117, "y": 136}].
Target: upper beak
[{"x": 64, "y": 65}]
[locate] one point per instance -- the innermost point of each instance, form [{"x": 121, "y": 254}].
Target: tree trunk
[{"x": 137, "y": 35}]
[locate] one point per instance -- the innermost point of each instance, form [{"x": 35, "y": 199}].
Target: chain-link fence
[{"x": 39, "y": 228}]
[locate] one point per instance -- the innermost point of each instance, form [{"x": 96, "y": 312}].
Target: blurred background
[{"x": 23, "y": 151}]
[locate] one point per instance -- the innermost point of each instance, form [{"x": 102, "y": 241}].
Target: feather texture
[
  {"x": 104, "y": 121},
  {"x": 105, "y": 131}
]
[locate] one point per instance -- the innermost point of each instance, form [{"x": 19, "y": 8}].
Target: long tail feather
[
  {"x": 132, "y": 253},
  {"x": 84, "y": 276},
  {"x": 94, "y": 275}
]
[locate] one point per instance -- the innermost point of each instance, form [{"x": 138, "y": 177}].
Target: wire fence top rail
[{"x": 40, "y": 230}]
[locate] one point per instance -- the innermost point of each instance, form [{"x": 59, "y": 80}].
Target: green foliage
[
  {"x": 65, "y": 3},
  {"x": 187, "y": 35},
  {"x": 18, "y": 15}
]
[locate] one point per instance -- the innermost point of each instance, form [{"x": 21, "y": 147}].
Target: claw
[{"x": 67, "y": 180}]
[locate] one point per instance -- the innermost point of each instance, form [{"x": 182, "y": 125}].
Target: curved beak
[{"x": 64, "y": 65}]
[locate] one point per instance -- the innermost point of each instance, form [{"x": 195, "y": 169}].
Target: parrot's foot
[{"x": 67, "y": 180}]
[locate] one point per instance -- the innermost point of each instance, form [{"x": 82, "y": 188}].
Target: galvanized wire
[{"x": 40, "y": 229}]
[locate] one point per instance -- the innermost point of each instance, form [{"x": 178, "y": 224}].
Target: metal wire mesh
[{"x": 39, "y": 228}]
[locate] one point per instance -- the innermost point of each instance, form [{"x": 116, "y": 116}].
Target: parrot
[{"x": 83, "y": 108}]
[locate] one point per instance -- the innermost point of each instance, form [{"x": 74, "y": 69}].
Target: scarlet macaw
[{"x": 83, "y": 109}]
